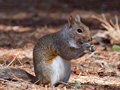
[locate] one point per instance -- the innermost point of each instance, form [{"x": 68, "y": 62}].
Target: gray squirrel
[{"x": 53, "y": 53}]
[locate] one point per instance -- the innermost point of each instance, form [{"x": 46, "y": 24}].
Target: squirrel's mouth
[{"x": 80, "y": 41}]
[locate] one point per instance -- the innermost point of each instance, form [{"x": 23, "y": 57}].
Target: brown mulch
[{"x": 23, "y": 22}]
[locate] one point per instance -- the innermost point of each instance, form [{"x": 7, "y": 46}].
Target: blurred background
[{"x": 24, "y": 21}]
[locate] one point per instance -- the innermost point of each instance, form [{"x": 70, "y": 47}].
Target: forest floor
[{"x": 20, "y": 29}]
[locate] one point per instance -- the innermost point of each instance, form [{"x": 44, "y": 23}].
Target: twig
[
  {"x": 66, "y": 84},
  {"x": 90, "y": 55},
  {"x": 20, "y": 62},
  {"x": 36, "y": 81},
  {"x": 14, "y": 75},
  {"x": 12, "y": 60}
]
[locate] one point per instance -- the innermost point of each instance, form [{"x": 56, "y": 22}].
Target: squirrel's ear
[
  {"x": 77, "y": 18},
  {"x": 71, "y": 21}
]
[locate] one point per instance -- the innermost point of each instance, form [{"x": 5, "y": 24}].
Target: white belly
[{"x": 61, "y": 70}]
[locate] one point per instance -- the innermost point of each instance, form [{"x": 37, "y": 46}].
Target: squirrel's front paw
[
  {"x": 88, "y": 48},
  {"x": 92, "y": 48}
]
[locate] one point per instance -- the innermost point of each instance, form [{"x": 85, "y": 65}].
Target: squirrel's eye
[{"x": 79, "y": 30}]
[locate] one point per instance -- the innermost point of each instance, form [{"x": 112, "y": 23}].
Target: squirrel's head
[{"x": 78, "y": 31}]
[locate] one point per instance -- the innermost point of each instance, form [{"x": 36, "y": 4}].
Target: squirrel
[{"x": 53, "y": 53}]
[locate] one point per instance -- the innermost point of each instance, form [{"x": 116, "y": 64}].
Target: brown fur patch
[{"x": 50, "y": 59}]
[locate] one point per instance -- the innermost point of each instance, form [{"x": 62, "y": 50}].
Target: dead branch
[
  {"x": 12, "y": 60},
  {"x": 113, "y": 29}
]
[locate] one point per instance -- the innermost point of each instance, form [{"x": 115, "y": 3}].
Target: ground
[{"x": 22, "y": 22}]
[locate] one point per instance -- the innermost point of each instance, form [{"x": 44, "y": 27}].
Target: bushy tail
[{"x": 16, "y": 73}]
